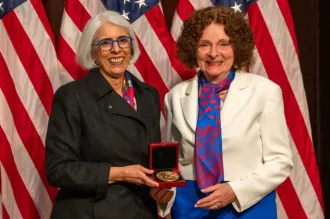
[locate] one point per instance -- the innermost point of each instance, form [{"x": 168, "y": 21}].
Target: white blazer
[{"x": 255, "y": 138}]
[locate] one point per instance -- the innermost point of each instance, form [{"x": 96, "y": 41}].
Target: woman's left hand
[{"x": 220, "y": 196}]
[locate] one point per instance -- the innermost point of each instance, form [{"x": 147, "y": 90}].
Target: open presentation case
[{"x": 164, "y": 160}]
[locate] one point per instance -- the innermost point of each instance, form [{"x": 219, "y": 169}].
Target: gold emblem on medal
[{"x": 167, "y": 176}]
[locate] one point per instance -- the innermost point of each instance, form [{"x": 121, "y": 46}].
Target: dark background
[{"x": 311, "y": 19}]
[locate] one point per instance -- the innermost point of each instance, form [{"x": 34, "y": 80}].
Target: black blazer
[{"x": 91, "y": 128}]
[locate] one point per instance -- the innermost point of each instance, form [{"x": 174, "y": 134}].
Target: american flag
[
  {"x": 30, "y": 75},
  {"x": 277, "y": 58},
  {"x": 28, "y": 79}
]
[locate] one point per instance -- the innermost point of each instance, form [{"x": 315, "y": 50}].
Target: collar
[
  {"x": 100, "y": 86},
  {"x": 240, "y": 82}
]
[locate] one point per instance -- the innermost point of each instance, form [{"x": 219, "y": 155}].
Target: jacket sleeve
[
  {"x": 277, "y": 157},
  {"x": 168, "y": 112},
  {"x": 64, "y": 167}
]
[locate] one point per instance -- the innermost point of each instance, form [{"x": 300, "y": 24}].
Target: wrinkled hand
[
  {"x": 220, "y": 196},
  {"x": 135, "y": 174},
  {"x": 162, "y": 196}
]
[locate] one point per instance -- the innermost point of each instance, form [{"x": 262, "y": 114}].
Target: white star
[
  {"x": 125, "y": 15},
  {"x": 1, "y": 6},
  {"x": 126, "y": 1},
  {"x": 237, "y": 7},
  {"x": 140, "y": 2}
]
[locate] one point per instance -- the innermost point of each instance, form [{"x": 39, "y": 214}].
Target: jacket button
[{"x": 110, "y": 106}]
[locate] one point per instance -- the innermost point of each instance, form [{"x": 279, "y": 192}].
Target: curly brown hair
[{"x": 236, "y": 27}]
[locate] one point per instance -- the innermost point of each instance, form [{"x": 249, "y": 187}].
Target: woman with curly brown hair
[{"x": 234, "y": 141}]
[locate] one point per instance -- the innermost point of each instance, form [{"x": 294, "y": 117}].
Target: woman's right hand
[{"x": 136, "y": 174}]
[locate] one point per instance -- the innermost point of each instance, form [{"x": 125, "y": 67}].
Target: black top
[{"x": 92, "y": 128}]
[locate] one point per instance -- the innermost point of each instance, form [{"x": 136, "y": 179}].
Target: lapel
[
  {"x": 189, "y": 103},
  {"x": 235, "y": 100},
  {"x": 113, "y": 103},
  {"x": 146, "y": 104}
]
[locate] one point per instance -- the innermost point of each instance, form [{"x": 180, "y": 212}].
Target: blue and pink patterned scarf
[{"x": 208, "y": 151}]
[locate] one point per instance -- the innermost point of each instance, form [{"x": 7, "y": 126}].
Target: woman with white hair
[{"x": 100, "y": 127}]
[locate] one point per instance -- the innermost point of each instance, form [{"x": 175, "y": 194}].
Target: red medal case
[{"x": 164, "y": 156}]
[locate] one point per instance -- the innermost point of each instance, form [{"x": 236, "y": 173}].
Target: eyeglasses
[
  {"x": 107, "y": 44},
  {"x": 220, "y": 45}
]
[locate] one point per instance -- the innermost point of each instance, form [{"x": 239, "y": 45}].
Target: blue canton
[
  {"x": 7, "y": 6},
  {"x": 130, "y": 9},
  {"x": 237, "y": 5}
]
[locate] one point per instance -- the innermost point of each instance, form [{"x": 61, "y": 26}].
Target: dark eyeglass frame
[{"x": 113, "y": 41}]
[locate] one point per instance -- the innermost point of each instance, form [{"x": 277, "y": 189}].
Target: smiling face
[
  {"x": 215, "y": 53},
  {"x": 113, "y": 63}
]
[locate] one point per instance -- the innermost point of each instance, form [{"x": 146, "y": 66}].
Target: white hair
[{"x": 84, "y": 50}]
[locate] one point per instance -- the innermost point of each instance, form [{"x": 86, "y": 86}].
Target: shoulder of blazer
[
  {"x": 183, "y": 87},
  {"x": 69, "y": 89},
  {"x": 257, "y": 81}
]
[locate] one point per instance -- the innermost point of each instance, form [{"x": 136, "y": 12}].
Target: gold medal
[{"x": 167, "y": 176}]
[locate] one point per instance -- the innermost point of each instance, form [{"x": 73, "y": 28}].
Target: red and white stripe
[
  {"x": 277, "y": 58},
  {"x": 7, "y": 194},
  {"x": 28, "y": 80}
]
